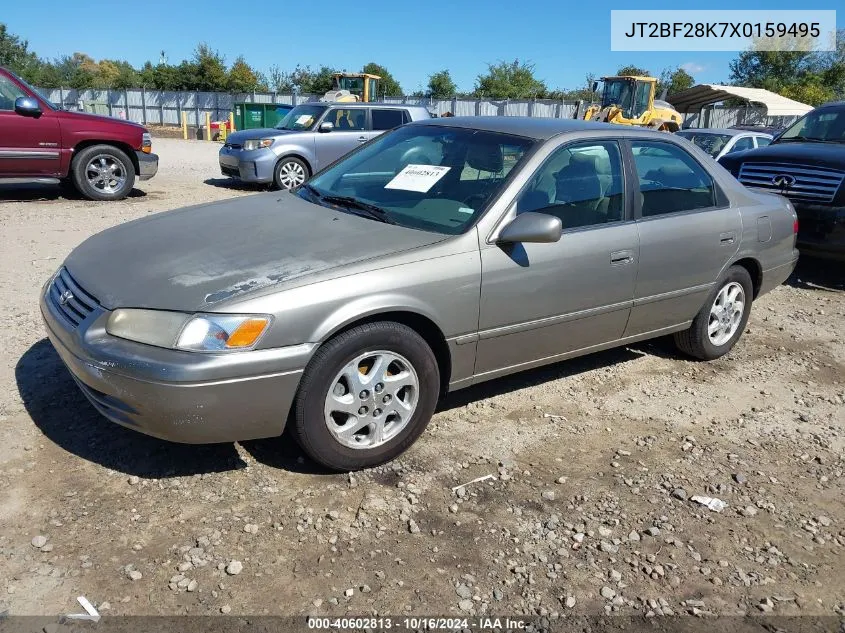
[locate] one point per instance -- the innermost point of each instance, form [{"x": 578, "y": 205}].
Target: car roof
[
  {"x": 536, "y": 128},
  {"x": 716, "y": 130},
  {"x": 371, "y": 104}
]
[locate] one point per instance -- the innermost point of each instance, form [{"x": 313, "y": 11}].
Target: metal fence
[{"x": 157, "y": 107}]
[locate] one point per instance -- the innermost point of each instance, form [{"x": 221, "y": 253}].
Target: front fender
[
  {"x": 304, "y": 149},
  {"x": 365, "y": 307}
]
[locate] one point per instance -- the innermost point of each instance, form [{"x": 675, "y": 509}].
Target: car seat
[
  {"x": 486, "y": 157},
  {"x": 578, "y": 192}
]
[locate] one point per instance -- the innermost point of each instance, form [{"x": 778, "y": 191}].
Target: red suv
[{"x": 39, "y": 142}]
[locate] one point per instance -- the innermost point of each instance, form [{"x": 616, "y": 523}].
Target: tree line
[{"x": 810, "y": 77}]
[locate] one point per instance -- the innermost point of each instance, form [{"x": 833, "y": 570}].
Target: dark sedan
[{"x": 807, "y": 165}]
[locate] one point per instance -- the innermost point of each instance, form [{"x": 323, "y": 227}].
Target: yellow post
[
  {"x": 207, "y": 126},
  {"x": 184, "y": 126}
]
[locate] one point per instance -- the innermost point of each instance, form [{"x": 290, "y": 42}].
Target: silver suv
[{"x": 310, "y": 137}]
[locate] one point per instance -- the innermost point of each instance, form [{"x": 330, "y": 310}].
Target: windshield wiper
[
  {"x": 370, "y": 210},
  {"x": 810, "y": 139},
  {"x": 312, "y": 190}
]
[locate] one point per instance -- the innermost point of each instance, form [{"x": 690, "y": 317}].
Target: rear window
[
  {"x": 708, "y": 141},
  {"x": 671, "y": 180},
  {"x": 387, "y": 119}
]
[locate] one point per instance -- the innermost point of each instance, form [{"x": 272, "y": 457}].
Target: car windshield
[
  {"x": 824, "y": 125},
  {"x": 709, "y": 142},
  {"x": 302, "y": 117},
  {"x": 355, "y": 85},
  {"x": 618, "y": 92},
  {"x": 35, "y": 90},
  {"x": 424, "y": 177}
]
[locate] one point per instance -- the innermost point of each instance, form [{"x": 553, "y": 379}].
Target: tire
[
  {"x": 698, "y": 341},
  {"x": 290, "y": 172},
  {"x": 324, "y": 389},
  {"x": 103, "y": 172}
]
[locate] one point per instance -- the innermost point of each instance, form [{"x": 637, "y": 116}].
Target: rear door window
[
  {"x": 387, "y": 119},
  {"x": 670, "y": 179}
]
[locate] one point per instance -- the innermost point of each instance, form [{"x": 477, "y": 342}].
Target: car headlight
[
  {"x": 192, "y": 332},
  {"x": 257, "y": 143},
  {"x": 146, "y": 143}
]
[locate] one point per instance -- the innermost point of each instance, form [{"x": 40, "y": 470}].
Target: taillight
[{"x": 795, "y": 227}]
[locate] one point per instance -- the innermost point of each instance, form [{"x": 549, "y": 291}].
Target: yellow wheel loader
[
  {"x": 353, "y": 87},
  {"x": 629, "y": 100}
]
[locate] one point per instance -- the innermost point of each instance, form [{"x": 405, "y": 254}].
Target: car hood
[
  {"x": 823, "y": 154},
  {"x": 195, "y": 258},
  {"x": 96, "y": 118},
  {"x": 264, "y": 132}
]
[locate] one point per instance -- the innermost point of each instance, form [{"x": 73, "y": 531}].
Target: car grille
[
  {"x": 232, "y": 145},
  {"x": 812, "y": 183},
  {"x": 69, "y": 299},
  {"x": 230, "y": 171}
]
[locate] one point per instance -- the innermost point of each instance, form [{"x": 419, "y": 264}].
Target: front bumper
[
  {"x": 174, "y": 395},
  {"x": 821, "y": 230},
  {"x": 147, "y": 165},
  {"x": 249, "y": 166}
]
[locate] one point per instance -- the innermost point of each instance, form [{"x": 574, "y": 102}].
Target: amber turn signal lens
[
  {"x": 247, "y": 333},
  {"x": 147, "y": 149}
]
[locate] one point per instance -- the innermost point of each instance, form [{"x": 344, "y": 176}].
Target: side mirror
[
  {"x": 532, "y": 227},
  {"x": 326, "y": 126},
  {"x": 27, "y": 106}
]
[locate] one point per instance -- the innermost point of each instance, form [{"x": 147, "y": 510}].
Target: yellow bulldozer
[
  {"x": 353, "y": 87},
  {"x": 629, "y": 100}
]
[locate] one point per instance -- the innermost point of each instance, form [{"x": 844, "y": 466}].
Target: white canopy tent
[{"x": 695, "y": 98}]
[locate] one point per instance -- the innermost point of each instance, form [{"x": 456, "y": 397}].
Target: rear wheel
[
  {"x": 103, "y": 172},
  {"x": 722, "y": 320},
  {"x": 366, "y": 396},
  {"x": 290, "y": 172}
]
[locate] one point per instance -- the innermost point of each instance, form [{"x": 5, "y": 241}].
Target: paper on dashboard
[{"x": 419, "y": 178}]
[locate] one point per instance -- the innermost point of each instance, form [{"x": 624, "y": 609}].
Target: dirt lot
[{"x": 594, "y": 465}]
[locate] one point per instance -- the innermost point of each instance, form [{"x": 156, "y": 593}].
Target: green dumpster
[{"x": 249, "y": 116}]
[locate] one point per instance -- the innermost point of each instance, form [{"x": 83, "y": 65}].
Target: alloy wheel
[
  {"x": 726, "y": 313},
  {"x": 106, "y": 173},
  {"x": 372, "y": 399}
]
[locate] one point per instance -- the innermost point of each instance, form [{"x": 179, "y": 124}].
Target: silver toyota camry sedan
[{"x": 439, "y": 255}]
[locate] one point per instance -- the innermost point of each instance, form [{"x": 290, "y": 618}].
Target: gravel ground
[{"x": 595, "y": 466}]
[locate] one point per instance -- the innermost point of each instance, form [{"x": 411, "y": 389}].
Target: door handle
[
  {"x": 620, "y": 258},
  {"x": 727, "y": 238},
  {"x": 362, "y": 139}
]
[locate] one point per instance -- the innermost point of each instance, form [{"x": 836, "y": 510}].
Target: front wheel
[
  {"x": 103, "y": 172},
  {"x": 366, "y": 396},
  {"x": 722, "y": 319},
  {"x": 289, "y": 173}
]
